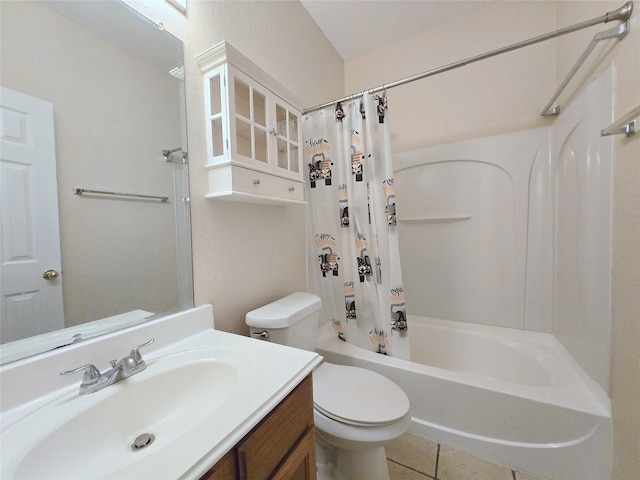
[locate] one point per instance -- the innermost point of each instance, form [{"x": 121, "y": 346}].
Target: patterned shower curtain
[{"x": 355, "y": 264}]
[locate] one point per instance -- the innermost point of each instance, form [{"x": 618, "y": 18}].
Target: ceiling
[{"x": 357, "y": 27}]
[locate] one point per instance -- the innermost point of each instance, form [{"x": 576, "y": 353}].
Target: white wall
[
  {"x": 494, "y": 96},
  {"x": 95, "y": 117},
  {"x": 246, "y": 255}
]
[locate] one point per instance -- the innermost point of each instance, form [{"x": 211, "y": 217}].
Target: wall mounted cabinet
[{"x": 254, "y": 135}]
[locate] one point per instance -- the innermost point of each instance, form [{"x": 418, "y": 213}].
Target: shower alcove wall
[{"x": 514, "y": 230}]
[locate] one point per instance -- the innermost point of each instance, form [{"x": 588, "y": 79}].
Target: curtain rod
[{"x": 623, "y": 14}]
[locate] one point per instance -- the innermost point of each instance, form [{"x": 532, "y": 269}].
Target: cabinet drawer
[
  {"x": 273, "y": 439},
  {"x": 288, "y": 189},
  {"x": 251, "y": 181}
]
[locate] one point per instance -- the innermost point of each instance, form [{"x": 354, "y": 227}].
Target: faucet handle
[
  {"x": 91, "y": 374},
  {"x": 135, "y": 354}
]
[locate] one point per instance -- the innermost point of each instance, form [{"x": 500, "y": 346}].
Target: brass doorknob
[{"x": 50, "y": 274}]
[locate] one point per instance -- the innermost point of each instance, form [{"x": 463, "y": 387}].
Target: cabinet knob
[
  {"x": 256, "y": 181},
  {"x": 291, "y": 189}
]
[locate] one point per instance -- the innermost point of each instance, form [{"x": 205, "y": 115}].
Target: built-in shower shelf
[{"x": 455, "y": 218}]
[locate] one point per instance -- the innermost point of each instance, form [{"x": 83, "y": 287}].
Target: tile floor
[{"x": 414, "y": 458}]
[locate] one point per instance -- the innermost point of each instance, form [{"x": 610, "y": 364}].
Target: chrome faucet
[{"x": 93, "y": 380}]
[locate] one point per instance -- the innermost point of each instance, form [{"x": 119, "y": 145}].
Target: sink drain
[{"x": 142, "y": 441}]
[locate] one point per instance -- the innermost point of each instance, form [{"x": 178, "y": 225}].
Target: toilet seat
[{"x": 356, "y": 396}]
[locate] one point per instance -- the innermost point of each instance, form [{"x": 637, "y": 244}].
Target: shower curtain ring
[
  {"x": 339, "y": 112},
  {"x": 382, "y": 104}
]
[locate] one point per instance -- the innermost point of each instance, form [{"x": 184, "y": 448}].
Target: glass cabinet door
[
  {"x": 215, "y": 113},
  {"x": 288, "y": 155},
  {"x": 249, "y": 120}
]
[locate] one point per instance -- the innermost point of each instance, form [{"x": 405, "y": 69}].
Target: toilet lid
[{"x": 357, "y": 396}]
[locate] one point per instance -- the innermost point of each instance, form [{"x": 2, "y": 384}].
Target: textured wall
[{"x": 245, "y": 255}]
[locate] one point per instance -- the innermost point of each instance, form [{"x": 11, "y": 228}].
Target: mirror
[{"x": 113, "y": 81}]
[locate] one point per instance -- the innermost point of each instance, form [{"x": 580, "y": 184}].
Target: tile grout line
[
  {"x": 411, "y": 468},
  {"x": 514, "y": 473}
]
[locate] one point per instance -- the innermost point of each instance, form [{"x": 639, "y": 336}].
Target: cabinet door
[
  {"x": 275, "y": 438},
  {"x": 225, "y": 469},
  {"x": 287, "y": 133},
  {"x": 301, "y": 463},
  {"x": 215, "y": 108},
  {"x": 248, "y": 114}
]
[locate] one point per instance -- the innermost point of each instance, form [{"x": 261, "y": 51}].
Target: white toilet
[{"x": 356, "y": 411}]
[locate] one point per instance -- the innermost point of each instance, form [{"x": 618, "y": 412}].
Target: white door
[{"x": 29, "y": 234}]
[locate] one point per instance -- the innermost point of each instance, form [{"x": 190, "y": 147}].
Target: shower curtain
[{"x": 355, "y": 264}]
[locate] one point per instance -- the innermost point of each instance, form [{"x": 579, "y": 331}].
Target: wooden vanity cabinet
[
  {"x": 225, "y": 469},
  {"x": 280, "y": 447}
]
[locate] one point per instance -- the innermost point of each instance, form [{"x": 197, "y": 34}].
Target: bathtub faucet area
[{"x": 94, "y": 381}]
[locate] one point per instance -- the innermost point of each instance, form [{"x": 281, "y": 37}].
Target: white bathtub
[{"x": 513, "y": 397}]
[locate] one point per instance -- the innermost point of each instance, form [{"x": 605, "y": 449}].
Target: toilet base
[{"x": 338, "y": 464}]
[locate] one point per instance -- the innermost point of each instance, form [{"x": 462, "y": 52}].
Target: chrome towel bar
[
  {"x": 80, "y": 191},
  {"x": 626, "y": 124},
  {"x": 618, "y": 32}
]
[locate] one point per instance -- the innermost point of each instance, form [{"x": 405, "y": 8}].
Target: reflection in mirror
[{"x": 92, "y": 95}]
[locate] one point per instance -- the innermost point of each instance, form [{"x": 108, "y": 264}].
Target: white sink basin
[
  {"x": 203, "y": 390},
  {"x": 95, "y": 432}
]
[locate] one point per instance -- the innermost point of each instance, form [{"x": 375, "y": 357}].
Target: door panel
[{"x": 29, "y": 232}]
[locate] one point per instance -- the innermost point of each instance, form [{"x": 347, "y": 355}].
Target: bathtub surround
[
  {"x": 529, "y": 211},
  {"x": 354, "y": 262},
  {"x": 582, "y": 169}
]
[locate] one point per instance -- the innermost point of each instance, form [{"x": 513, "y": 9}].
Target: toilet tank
[{"x": 292, "y": 320}]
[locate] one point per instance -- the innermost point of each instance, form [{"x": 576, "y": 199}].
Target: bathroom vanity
[
  {"x": 206, "y": 398},
  {"x": 282, "y": 446}
]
